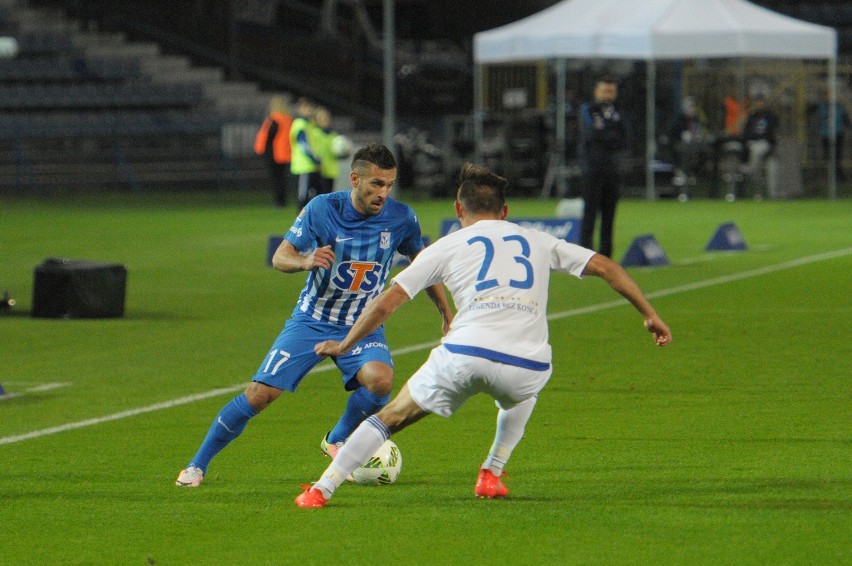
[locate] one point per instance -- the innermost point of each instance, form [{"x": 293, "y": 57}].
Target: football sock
[
  {"x": 510, "y": 429},
  {"x": 360, "y": 447},
  {"x": 228, "y": 425},
  {"x": 361, "y": 404}
]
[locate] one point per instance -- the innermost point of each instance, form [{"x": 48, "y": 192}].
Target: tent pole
[
  {"x": 832, "y": 128},
  {"x": 389, "y": 40},
  {"x": 477, "y": 113},
  {"x": 559, "y": 158},
  {"x": 650, "y": 129}
]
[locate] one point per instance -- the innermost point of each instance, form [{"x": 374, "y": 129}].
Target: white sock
[
  {"x": 510, "y": 430},
  {"x": 360, "y": 447}
]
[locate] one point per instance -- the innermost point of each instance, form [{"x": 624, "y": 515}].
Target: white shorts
[{"x": 447, "y": 380}]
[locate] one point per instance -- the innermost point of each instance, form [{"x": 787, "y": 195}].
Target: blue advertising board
[{"x": 567, "y": 229}]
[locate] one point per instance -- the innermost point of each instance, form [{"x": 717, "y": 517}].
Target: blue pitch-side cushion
[
  {"x": 727, "y": 237},
  {"x": 645, "y": 250}
]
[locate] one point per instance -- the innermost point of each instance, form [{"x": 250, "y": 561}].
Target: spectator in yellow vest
[
  {"x": 304, "y": 164},
  {"x": 329, "y": 167}
]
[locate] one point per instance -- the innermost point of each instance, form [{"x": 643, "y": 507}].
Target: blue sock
[
  {"x": 361, "y": 405},
  {"x": 229, "y": 423}
]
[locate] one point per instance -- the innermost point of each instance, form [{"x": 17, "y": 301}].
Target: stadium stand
[{"x": 82, "y": 110}]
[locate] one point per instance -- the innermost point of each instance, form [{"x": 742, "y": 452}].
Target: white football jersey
[{"x": 498, "y": 274}]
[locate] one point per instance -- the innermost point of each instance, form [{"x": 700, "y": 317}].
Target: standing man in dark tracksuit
[{"x": 603, "y": 135}]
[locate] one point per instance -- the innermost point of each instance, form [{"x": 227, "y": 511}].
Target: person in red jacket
[{"x": 273, "y": 143}]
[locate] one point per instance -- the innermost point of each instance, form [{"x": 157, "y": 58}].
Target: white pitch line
[
  {"x": 138, "y": 411},
  {"x": 47, "y": 387},
  {"x": 750, "y": 273},
  {"x": 116, "y": 416},
  {"x": 36, "y": 389},
  {"x": 709, "y": 282},
  {"x": 710, "y": 256},
  {"x": 418, "y": 347}
]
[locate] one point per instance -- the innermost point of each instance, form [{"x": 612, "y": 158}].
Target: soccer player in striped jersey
[{"x": 346, "y": 242}]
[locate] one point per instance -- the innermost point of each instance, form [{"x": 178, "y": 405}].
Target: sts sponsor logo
[{"x": 354, "y": 276}]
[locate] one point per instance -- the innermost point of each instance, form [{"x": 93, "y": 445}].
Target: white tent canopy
[{"x": 653, "y": 30}]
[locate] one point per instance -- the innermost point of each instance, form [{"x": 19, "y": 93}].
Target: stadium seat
[{"x": 76, "y": 112}]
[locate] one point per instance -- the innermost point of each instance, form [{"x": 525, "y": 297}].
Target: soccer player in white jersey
[
  {"x": 346, "y": 242},
  {"x": 498, "y": 274}
]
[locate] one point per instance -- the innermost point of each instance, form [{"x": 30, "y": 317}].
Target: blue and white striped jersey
[{"x": 363, "y": 246}]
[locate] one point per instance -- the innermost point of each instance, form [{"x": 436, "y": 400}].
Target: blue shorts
[{"x": 292, "y": 355}]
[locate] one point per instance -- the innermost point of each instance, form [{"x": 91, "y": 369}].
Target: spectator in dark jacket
[
  {"x": 603, "y": 137},
  {"x": 759, "y": 134}
]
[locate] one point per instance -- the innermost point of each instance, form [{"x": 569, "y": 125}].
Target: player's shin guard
[
  {"x": 362, "y": 403},
  {"x": 228, "y": 425},
  {"x": 510, "y": 429}
]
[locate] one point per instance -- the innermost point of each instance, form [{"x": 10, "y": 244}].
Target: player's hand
[
  {"x": 656, "y": 326},
  {"x": 445, "y": 327},
  {"x": 321, "y": 257},
  {"x": 328, "y": 348}
]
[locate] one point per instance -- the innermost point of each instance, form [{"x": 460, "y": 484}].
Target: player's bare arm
[
  {"x": 438, "y": 295},
  {"x": 376, "y": 313},
  {"x": 608, "y": 270},
  {"x": 288, "y": 259}
]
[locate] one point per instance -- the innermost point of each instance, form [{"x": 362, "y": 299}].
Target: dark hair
[
  {"x": 480, "y": 190},
  {"x": 373, "y": 154}
]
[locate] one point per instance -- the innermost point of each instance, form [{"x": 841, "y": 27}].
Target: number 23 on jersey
[{"x": 513, "y": 244}]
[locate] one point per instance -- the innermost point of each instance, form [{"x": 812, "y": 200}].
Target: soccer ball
[
  {"x": 383, "y": 468},
  {"x": 341, "y": 146}
]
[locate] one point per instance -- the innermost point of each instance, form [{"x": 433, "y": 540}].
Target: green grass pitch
[{"x": 731, "y": 446}]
